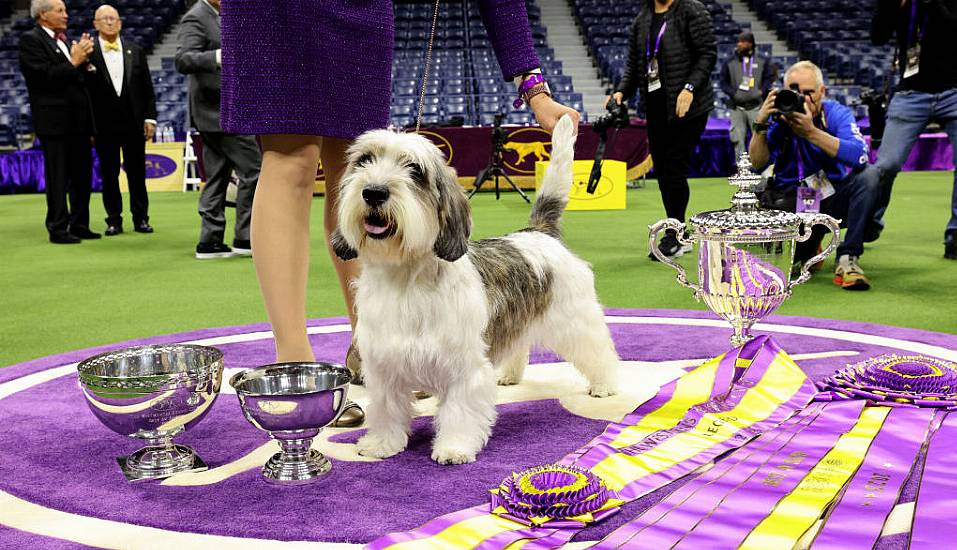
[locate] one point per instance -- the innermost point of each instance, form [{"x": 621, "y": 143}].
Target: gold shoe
[
  {"x": 352, "y": 416},
  {"x": 354, "y": 364}
]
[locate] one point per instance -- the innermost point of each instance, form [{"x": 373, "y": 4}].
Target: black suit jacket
[
  {"x": 137, "y": 101},
  {"x": 57, "y": 89}
]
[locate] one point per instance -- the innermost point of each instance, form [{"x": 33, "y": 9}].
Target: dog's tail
[{"x": 553, "y": 194}]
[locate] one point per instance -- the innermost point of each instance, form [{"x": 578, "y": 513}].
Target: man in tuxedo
[
  {"x": 199, "y": 57},
  {"x": 62, "y": 117},
  {"x": 124, "y": 108}
]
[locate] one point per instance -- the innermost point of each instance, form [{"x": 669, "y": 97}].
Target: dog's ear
[
  {"x": 455, "y": 220},
  {"x": 341, "y": 247}
]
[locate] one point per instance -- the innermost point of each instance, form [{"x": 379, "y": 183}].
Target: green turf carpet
[{"x": 56, "y": 298}]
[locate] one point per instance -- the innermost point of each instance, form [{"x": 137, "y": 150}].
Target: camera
[
  {"x": 789, "y": 101},
  {"x": 616, "y": 117}
]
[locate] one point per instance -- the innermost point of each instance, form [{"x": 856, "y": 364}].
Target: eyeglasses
[{"x": 108, "y": 19}]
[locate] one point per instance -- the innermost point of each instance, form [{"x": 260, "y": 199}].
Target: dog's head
[{"x": 398, "y": 201}]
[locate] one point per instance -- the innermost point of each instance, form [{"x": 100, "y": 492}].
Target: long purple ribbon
[
  {"x": 769, "y": 442},
  {"x": 431, "y": 528},
  {"x": 752, "y": 377},
  {"x": 857, "y": 519},
  {"x": 599, "y": 448},
  {"x": 934, "y": 519},
  {"x": 750, "y": 501}
]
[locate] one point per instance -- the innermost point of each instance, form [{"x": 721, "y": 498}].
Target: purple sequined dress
[{"x": 324, "y": 67}]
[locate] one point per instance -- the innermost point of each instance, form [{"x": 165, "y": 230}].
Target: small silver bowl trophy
[
  {"x": 745, "y": 254},
  {"x": 293, "y": 402},
  {"x": 153, "y": 393}
]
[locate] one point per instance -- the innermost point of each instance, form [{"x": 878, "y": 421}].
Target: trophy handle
[
  {"x": 679, "y": 227},
  {"x": 810, "y": 220}
]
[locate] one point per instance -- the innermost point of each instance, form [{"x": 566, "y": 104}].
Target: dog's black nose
[{"x": 375, "y": 195}]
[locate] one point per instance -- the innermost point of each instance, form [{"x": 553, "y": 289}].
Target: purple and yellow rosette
[
  {"x": 554, "y": 496},
  {"x": 898, "y": 380}
]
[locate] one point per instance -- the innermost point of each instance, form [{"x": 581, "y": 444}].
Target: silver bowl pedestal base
[
  {"x": 160, "y": 461},
  {"x": 297, "y": 464}
]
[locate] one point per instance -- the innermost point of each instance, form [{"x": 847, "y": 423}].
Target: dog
[{"x": 440, "y": 313}]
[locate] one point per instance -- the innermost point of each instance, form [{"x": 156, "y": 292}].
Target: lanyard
[
  {"x": 913, "y": 23},
  {"x": 750, "y": 65},
  {"x": 649, "y": 54},
  {"x": 799, "y": 157}
]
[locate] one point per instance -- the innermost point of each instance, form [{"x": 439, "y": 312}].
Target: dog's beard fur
[{"x": 426, "y": 318}]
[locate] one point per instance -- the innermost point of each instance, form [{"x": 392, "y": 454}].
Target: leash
[{"x": 428, "y": 65}]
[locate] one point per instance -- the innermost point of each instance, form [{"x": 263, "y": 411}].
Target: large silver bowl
[
  {"x": 153, "y": 393},
  {"x": 292, "y": 402}
]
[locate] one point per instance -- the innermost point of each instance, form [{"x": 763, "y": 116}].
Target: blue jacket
[{"x": 838, "y": 120}]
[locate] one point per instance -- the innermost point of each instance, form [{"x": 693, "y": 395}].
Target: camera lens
[{"x": 789, "y": 101}]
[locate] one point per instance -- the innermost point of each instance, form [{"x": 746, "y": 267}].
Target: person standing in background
[
  {"x": 124, "y": 108},
  {"x": 200, "y": 57},
  {"x": 671, "y": 54},
  {"x": 746, "y": 79},
  {"x": 927, "y": 57},
  {"x": 62, "y": 117}
]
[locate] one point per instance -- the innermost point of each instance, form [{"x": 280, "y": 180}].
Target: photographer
[
  {"x": 746, "y": 79},
  {"x": 927, "y": 57},
  {"x": 818, "y": 154},
  {"x": 671, "y": 54}
]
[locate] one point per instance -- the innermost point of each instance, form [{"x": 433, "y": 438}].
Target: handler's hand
[
  {"x": 548, "y": 112},
  {"x": 684, "y": 103}
]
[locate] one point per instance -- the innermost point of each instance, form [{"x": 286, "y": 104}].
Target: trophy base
[
  {"x": 160, "y": 462},
  {"x": 283, "y": 469}
]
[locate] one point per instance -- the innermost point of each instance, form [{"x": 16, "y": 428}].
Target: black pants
[
  {"x": 134, "y": 162},
  {"x": 672, "y": 144},
  {"x": 68, "y": 166}
]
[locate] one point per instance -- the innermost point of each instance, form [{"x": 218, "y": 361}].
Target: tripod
[{"x": 496, "y": 166}]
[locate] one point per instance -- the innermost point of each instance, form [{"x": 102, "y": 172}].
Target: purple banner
[
  {"x": 934, "y": 519},
  {"x": 858, "y": 518},
  {"x": 748, "y": 501},
  {"x": 670, "y": 533}
]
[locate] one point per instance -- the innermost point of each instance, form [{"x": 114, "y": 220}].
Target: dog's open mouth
[{"x": 377, "y": 226}]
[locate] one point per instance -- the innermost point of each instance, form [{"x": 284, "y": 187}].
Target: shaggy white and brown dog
[{"x": 438, "y": 312}]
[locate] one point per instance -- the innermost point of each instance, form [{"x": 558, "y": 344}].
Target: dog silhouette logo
[
  {"x": 159, "y": 166},
  {"x": 525, "y": 147},
  {"x": 442, "y": 143}
]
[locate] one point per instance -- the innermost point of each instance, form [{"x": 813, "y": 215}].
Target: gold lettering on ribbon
[{"x": 774, "y": 478}]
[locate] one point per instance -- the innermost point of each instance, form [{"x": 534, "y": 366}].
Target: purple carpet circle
[{"x": 61, "y": 485}]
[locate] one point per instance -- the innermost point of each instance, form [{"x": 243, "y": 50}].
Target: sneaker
[
  {"x": 848, "y": 275},
  {"x": 208, "y": 251},
  {"x": 671, "y": 247},
  {"x": 950, "y": 248},
  {"x": 242, "y": 248}
]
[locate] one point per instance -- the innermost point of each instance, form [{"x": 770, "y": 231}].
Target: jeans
[
  {"x": 907, "y": 116},
  {"x": 852, "y": 203}
]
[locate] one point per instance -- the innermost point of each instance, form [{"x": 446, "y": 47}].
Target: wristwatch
[
  {"x": 760, "y": 127},
  {"x": 690, "y": 87}
]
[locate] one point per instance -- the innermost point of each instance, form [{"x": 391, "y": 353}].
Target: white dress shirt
[
  {"x": 114, "y": 63},
  {"x": 60, "y": 43}
]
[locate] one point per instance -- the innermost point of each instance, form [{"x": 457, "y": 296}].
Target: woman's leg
[
  {"x": 333, "y": 166},
  {"x": 280, "y": 237}
]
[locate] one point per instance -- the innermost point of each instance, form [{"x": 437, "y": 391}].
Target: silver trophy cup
[
  {"x": 745, "y": 254},
  {"x": 292, "y": 402},
  {"x": 153, "y": 393}
]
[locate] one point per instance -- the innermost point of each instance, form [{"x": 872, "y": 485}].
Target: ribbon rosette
[
  {"x": 555, "y": 496},
  {"x": 898, "y": 380}
]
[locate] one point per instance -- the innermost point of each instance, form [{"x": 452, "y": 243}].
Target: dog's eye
[
  {"x": 365, "y": 159},
  {"x": 417, "y": 174}
]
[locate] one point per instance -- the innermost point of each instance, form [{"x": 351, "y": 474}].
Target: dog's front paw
[
  {"x": 377, "y": 446},
  {"x": 452, "y": 455},
  {"x": 508, "y": 380},
  {"x": 601, "y": 390}
]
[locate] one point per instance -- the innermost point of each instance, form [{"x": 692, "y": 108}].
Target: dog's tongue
[{"x": 375, "y": 229}]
